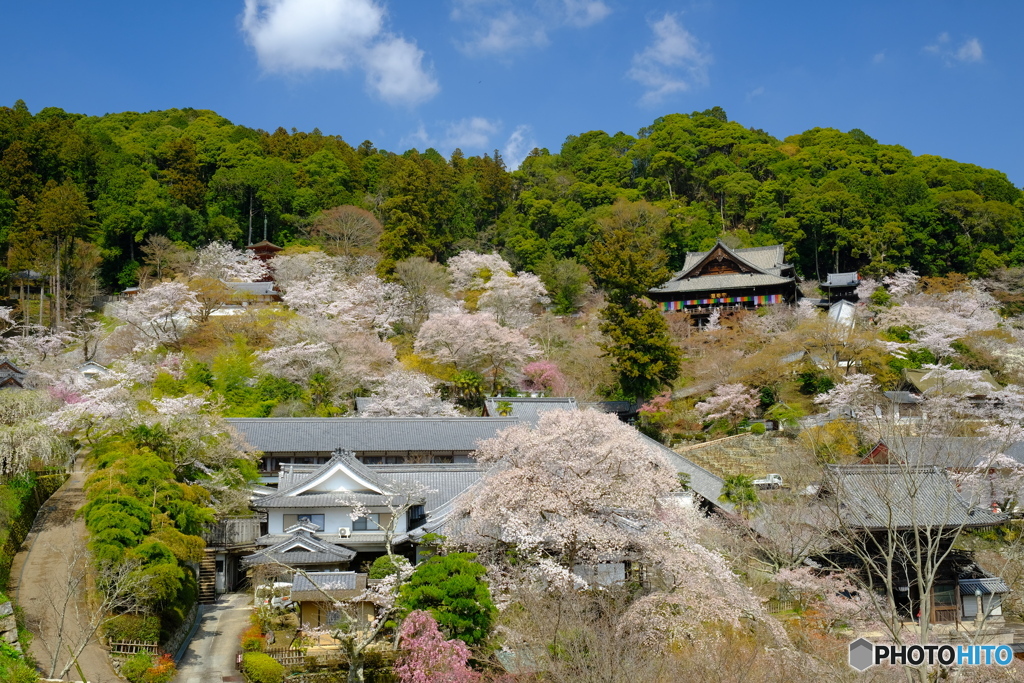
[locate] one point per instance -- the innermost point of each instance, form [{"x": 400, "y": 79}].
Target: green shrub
[
  {"x": 757, "y": 428},
  {"x": 135, "y": 668},
  {"x": 252, "y": 639},
  {"x": 261, "y": 668},
  {"x": 133, "y": 627}
]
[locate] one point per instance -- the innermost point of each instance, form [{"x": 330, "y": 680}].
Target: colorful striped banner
[{"x": 764, "y": 300}]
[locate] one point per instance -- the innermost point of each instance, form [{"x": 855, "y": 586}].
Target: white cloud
[
  {"x": 299, "y": 36},
  {"x": 673, "y": 63},
  {"x": 499, "y": 27},
  {"x": 878, "y": 58},
  {"x": 969, "y": 52},
  {"x": 519, "y": 144},
  {"x": 756, "y": 92},
  {"x": 471, "y": 134},
  {"x": 394, "y": 69}
]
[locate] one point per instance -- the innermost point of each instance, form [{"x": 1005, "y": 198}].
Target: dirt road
[{"x": 39, "y": 580}]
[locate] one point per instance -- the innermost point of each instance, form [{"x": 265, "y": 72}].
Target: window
[
  {"x": 370, "y": 522},
  {"x": 945, "y": 596}
]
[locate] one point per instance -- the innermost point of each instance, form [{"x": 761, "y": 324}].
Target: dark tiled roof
[
  {"x": 361, "y": 434},
  {"x": 841, "y": 280},
  {"x": 903, "y": 397},
  {"x": 986, "y": 586},
  {"x": 528, "y": 409},
  {"x": 901, "y": 497}
]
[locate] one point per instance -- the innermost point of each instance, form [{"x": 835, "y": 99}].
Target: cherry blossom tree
[
  {"x": 427, "y": 657},
  {"x": 573, "y": 490},
  {"x": 364, "y": 303},
  {"x": 474, "y": 342},
  {"x": 24, "y": 435},
  {"x": 472, "y": 271},
  {"x": 159, "y": 316},
  {"x": 221, "y": 261},
  {"x": 730, "y": 402},
  {"x": 511, "y": 299},
  {"x": 408, "y": 394},
  {"x": 901, "y": 283}
]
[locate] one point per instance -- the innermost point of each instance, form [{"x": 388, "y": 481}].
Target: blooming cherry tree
[
  {"x": 160, "y": 315},
  {"x": 408, "y": 394},
  {"x": 221, "y": 261},
  {"x": 731, "y": 402},
  {"x": 474, "y": 342},
  {"x": 469, "y": 270},
  {"x": 575, "y": 489}
]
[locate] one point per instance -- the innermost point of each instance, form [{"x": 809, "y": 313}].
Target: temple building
[{"x": 728, "y": 279}]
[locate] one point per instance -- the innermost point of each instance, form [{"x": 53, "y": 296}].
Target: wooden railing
[
  {"x": 774, "y": 606},
  {"x": 232, "y": 531},
  {"x": 945, "y": 615},
  {"x": 127, "y": 648}
]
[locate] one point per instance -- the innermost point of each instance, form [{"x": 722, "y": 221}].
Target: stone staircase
[
  {"x": 751, "y": 454},
  {"x": 208, "y": 579}
]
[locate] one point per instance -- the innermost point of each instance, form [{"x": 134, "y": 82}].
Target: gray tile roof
[
  {"x": 324, "y": 580},
  {"x": 903, "y": 397},
  {"x": 954, "y": 452},
  {"x": 720, "y": 282},
  {"x": 253, "y": 288},
  {"x": 528, "y": 409},
  {"x": 706, "y": 484},
  {"x": 769, "y": 259},
  {"x": 314, "y": 550},
  {"x": 841, "y": 280},
  {"x": 361, "y": 434},
  {"x": 443, "y": 483},
  {"x": 356, "y": 539},
  {"x": 901, "y": 497}
]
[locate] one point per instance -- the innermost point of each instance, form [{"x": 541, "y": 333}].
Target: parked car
[{"x": 277, "y": 595}]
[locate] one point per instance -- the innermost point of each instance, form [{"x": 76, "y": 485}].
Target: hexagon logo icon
[{"x": 862, "y": 653}]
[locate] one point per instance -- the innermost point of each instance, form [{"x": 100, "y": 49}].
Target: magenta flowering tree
[
  {"x": 427, "y": 657},
  {"x": 543, "y": 376}
]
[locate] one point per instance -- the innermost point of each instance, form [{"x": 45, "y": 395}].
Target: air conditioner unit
[{"x": 344, "y": 532}]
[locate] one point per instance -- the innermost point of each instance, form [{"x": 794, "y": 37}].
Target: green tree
[
  {"x": 452, "y": 588},
  {"x": 739, "y": 491}
]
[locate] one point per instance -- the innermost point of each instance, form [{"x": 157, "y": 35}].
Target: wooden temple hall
[{"x": 728, "y": 280}]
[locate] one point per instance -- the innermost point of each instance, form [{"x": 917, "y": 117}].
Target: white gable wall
[{"x": 334, "y": 519}]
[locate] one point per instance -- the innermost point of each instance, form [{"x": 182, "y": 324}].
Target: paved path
[
  {"x": 210, "y": 657},
  {"x": 40, "y": 580}
]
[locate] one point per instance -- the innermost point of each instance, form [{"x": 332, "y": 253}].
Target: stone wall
[{"x": 8, "y": 626}]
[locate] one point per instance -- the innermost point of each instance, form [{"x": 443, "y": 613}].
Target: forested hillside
[{"x": 94, "y": 189}]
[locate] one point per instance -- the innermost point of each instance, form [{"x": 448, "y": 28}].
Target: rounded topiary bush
[
  {"x": 261, "y": 668},
  {"x": 757, "y": 428}
]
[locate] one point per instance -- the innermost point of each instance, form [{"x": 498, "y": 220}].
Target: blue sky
[{"x": 937, "y": 77}]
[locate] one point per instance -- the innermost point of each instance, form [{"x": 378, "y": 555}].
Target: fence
[
  {"x": 127, "y": 648},
  {"x": 778, "y": 606},
  {"x": 233, "y": 531},
  {"x": 297, "y": 658}
]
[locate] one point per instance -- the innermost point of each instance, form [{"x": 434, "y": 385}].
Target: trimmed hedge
[
  {"x": 20, "y": 501},
  {"x": 261, "y": 668},
  {"x": 133, "y": 627}
]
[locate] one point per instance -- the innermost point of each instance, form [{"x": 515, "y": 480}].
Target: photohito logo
[{"x": 865, "y": 654}]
